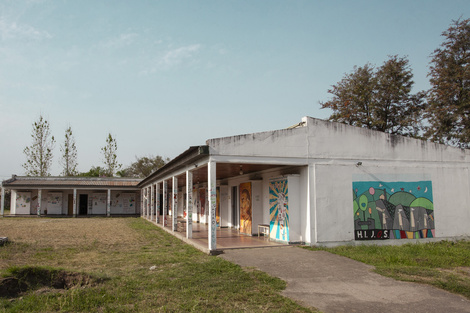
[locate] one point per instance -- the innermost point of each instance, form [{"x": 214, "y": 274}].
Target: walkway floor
[
  {"x": 333, "y": 283},
  {"x": 227, "y": 238}
]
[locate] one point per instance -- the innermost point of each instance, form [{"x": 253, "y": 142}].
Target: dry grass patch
[{"x": 142, "y": 269}]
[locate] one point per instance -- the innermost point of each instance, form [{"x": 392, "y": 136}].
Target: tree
[
  {"x": 69, "y": 154},
  {"x": 449, "y": 97},
  {"x": 145, "y": 166},
  {"x": 110, "y": 156},
  {"x": 353, "y": 98},
  {"x": 39, "y": 154},
  {"x": 396, "y": 110},
  {"x": 378, "y": 99},
  {"x": 97, "y": 171}
]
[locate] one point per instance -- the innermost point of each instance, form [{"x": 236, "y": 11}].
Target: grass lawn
[
  {"x": 122, "y": 265},
  {"x": 444, "y": 264}
]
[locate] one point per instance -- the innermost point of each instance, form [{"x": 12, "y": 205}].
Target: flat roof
[{"x": 70, "y": 182}]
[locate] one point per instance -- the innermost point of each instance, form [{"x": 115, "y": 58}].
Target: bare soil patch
[{"x": 47, "y": 280}]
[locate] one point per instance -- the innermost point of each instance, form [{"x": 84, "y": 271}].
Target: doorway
[
  {"x": 234, "y": 207},
  {"x": 83, "y": 205}
]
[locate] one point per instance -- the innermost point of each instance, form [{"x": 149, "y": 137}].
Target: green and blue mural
[{"x": 393, "y": 210}]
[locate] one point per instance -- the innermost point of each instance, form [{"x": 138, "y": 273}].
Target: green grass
[
  {"x": 156, "y": 273},
  {"x": 444, "y": 264}
]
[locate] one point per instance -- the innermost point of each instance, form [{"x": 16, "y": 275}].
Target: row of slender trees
[
  {"x": 380, "y": 98},
  {"x": 39, "y": 156}
]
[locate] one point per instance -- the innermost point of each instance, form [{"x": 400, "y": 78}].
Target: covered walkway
[{"x": 227, "y": 238}]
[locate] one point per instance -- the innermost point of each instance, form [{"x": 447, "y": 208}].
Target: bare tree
[
  {"x": 39, "y": 154},
  {"x": 69, "y": 154},
  {"x": 110, "y": 156}
]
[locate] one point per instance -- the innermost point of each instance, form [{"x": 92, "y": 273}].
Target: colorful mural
[
  {"x": 393, "y": 210},
  {"x": 202, "y": 202},
  {"x": 279, "y": 209},
  {"x": 23, "y": 202},
  {"x": 245, "y": 208}
]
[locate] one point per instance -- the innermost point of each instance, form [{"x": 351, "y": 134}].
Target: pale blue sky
[{"x": 165, "y": 75}]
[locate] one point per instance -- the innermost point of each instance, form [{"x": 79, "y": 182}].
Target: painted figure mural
[
  {"x": 217, "y": 210},
  {"x": 279, "y": 209},
  {"x": 393, "y": 210},
  {"x": 245, "y": 208}
]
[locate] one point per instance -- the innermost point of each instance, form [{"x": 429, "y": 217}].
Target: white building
[{"x": 318, "y": 183}]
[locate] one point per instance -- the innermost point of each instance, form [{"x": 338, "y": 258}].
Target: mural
[
  {"x": 393, "y": 210},
  {"x": 54, "y": 203},
  {"x": 279, "y": 209},
  {"x": 23, "y": 202},
  {"x": 245, "y": 208}
]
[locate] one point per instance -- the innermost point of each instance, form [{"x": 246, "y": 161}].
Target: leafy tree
[
  {"x": 97, "y": 171},
  {"x": 110, "y": 156},
  {"x": 378, "y": 99},
  {"x": 352, "y": 100},
  {"x": 69, "y": 154},
  {"x": 144, "y": 166},
  {"x": 39, "y": 154},
  {"x": 449, "y": 97}
]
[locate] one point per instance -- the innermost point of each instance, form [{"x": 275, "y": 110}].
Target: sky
[{"x": 162, "y": 76}]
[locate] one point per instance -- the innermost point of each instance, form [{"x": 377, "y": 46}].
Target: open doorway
[
  {"x": 235, "y": 207},
  {"x": 83, "y": 205}
]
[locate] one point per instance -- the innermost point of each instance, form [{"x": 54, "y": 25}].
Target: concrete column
[
  {"x": 164, "y": 201},
  {"x": 2, "y": 208},
  {"x": 39, "y": 201},
  {"x": 148, "y": 203},
  {"x": 141, "y": 207},
  {"x": 108, "y": 205},
  {"x": 189, "y": 204},
  {"x": 212, "y": 204},
  {"x": 157, "y": 195},
  {"x": 174, "y": 205},
  {"x": 152, "y": 202},
  {"x": 74, "y": 208}
]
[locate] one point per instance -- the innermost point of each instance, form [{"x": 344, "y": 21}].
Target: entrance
[
  {"x": 83, "y": 205},
  {"x": 234, "y": 207}
]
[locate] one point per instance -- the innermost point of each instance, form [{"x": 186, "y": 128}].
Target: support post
[
  {"x": 174, "y": 205},
  {"x": 157, "y": 195},
  {"x": 212, "y": 201},
  {"x": 108, "y": 205},
  {"x": 189, "y": 204},
  {"x": 74, "y": 209},
  {"x": 2, "y": 208},
  {"x": 164, "y": 202},
  {"x": 39, "y": 202},
  {"x": 152, "y": 202}
]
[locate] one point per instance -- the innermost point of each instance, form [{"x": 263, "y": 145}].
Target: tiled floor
[{"x": 227, "y": 238}]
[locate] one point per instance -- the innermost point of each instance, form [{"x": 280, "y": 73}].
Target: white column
[
  {"x": 39, "y": 201},
  {"x": 212, "y": 203},
  {"x": 74, "y": 208},
  {"x": 141, "y": 202},
  {"x": 189, "y": 204},
  {"x": 152, "y": 202},
  {"x": 2, "y": 208},
  {"x": 148, "y": 202},
  {"x": 157, "y": 195},
  {"x": 108, "y": 205},
  {"x": 164, "y": 201},
  {"x": 174, "y": 205}
]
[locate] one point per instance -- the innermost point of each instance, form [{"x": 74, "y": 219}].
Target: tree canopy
[
  {"x": 379, "y": 99},
  {"x": 144, "y": 166},
  {"x": 448, "y": 112},
  {"x": 39, "y": 154}
]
